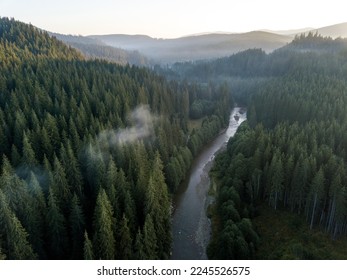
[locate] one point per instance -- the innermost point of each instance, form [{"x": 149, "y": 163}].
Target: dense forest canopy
[
  {"x": 91, "y": 151},
  {"x": 248, "y": 71},
  {"x": 291, "y": 155}
]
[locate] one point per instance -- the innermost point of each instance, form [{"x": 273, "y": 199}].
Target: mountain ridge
[
  {"x": 95, "y": 49},
  {"x": 211, "y": 45},
  {"x": 334, "y": 31},
  {"x": 189, "y": 48}
]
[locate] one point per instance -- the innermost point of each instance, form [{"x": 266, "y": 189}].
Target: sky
[{"x": 172, "y": 18}]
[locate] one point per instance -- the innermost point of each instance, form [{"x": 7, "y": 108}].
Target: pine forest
[{"x": 93, "y": 152}]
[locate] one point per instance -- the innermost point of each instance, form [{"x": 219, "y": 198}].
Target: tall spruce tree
[
  {"x": 103, "y": 225},
  {"x": 77, "y": 228},
  {"x": 150, "y": 241},
  {"x": 18, "y": 247},
  {"x": 125, "y": 240},
  {"x": 87, "y": 248},
  {"x": 57, "y": 241}
]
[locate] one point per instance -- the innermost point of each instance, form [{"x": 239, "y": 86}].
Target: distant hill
[
  {"x": 94, "y": 48},
  {"x": 77, "y": 39},
  {"x": 196, "y": 47},
  {"x": 211, "y": 45},
  {"x": 333, "y": 31},
  {"x": 290, "y": 32}
]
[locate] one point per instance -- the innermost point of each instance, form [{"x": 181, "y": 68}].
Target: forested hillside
[
  {"x": 290, "y": 156},
  {"x": 95, "y": 49},
  {"x": 90, "y": 151},
  {"x": 247, "y": 71}
]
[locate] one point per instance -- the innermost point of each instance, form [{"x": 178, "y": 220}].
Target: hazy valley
[
  {"x": 144, "y": 50},
  {"x": 100, "y": 137}
]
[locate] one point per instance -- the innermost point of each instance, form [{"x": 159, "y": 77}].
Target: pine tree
[
  {"x": 317, "y": 188},
  {"x": 103, "y": 224},
  {"x": 16, "y": 192},
  {"x": 15, "y": 156},
  {"x": 73, "y": 171},
  {"x": 139, "y": 253},
  {"x": 126, "y": 201},
  {"x": 60, "y": 184},
  {"x": 29, "y": 158},
  {"x": 111, "y": 179},
  {"x": 45, "y": 143},
  {"x": 16, "y": 237},
  {"x": 87, "y": 248},
  {"x": 150, "y": 246},
  {"x": 298, "y": 185},
  {"x": 36, "y": 216},
  {"x": 276, "y": 183},
  {"x": 158, "y": 207},
  {"x": 125, "y": 241},
  {"x": 51, "y": 126},
  {"x": 76, "y": 222},
  {"x": 56, "y": 231}
]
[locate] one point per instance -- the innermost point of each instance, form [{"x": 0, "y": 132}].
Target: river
[{"x": 190, "y": 225}]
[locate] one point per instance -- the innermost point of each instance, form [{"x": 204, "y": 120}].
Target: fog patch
[{"x": 142, "y": 127}]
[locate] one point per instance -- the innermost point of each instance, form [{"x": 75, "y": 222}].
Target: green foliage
[
  {"x": 60, "y": 118},
  {"x": 290, "y": 237},
  {"x": 19, "y": 40},
  {"x": 56, "y": 228},
  {"x": 18, "y": 247},
  {"x": 150, "y": 246},
  {"x": 104, "y": 240},
  {"x": 77, "y": 228},
  {"x": 125, "y": 241},
  {"x": 292, "y": 155},
  {"x": 87, "y": 248},
  {"x": 139, "y": 253}
]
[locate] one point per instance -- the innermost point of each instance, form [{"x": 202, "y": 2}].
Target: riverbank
[{"x": 190, "y": 224}]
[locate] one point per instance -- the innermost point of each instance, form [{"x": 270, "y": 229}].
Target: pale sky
[{"x": 174, "y": 18}]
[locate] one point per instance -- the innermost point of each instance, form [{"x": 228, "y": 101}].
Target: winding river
[{"x": 190, "y": 225}]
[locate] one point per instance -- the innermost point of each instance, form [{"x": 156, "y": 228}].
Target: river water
[{"x": 191, "y": 227}]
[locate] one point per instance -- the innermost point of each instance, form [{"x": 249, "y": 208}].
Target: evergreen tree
[
  {"x": 150, "y": 246},
  {"x": 56, "y": 231},
  {"x": 15, "y": 156},
  {"x": 77, "y": 224},
  {"x": 110, "y": 189},
  {"x": 29, "y": 158},
  {"x": 87, "y": 248},
  {"x": 18, "y": 247},
  {"x": 317, "y": 188},
  {"x": 125, "y": 241},
  {"x": 103, "y": 224},
  {"x": 36, "y": 216},
  {"x": 60, "y": 184},
  {"x": 276, "y": 181},
  {"x": 139, "y": 253},
  {"x": 158, "y": 206},
  {"x": 72, "y": 170}
]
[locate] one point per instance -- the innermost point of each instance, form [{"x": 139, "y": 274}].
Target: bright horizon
[{"x": 172, "y": 19}]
